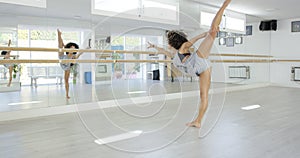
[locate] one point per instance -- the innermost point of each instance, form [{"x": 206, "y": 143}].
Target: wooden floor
[
  {"x": 54, "y": 95},
  {"x": 271, "y": 131}
]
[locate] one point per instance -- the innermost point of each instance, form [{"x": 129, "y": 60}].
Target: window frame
[{"x": 140, "y": 12}]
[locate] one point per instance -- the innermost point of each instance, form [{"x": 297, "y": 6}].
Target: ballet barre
[
  {"x": 15, "y": 61},
  {"x": 114, "y": 51},
  {"x": 7, "y": 61},
  {"x": 75, "y": 50}
]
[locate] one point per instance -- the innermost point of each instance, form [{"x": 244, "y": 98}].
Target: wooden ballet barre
[
  {"x": 75, "y": 50},
  {"x": 30, "y": 49},
  {"x": 110, "y": 51},
  {"x": 241, "y": 55},
  {"x": 286, "y": 60},
  {"x": 9, "y": 56},
  {"x": 103, "y": 55},
  {"x": 256, "y": 61},
  {"x": 8, "y": 61},
  {"x": 241, "y": 61}
]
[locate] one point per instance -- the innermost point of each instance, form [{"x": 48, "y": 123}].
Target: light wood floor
[
  {"x": 271, "y": 131},
  {"x": 54, "y": 95}
]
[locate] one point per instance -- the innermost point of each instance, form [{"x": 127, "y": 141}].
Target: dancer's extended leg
[{"x": 206, "y": 45}]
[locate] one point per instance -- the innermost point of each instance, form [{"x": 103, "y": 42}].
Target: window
[
  {"x": 235, "y": 24},
  {"x": 134, "y": 42},
  {"x": 229, "y": 22},
  {"x": 145, "y": 10},
  {"x": 45, "y": 39},
  {"x": 114, "y": 7},
  {"x": 163, "y": 13},
  {"x": 31, "y": 3},
  {"x": 207, "y": 18},
  {"x": 38, "y": 36},
  {"x": 5, "y": 37}
]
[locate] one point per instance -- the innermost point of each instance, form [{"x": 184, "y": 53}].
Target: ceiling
[
  {"x": 255, "y": 10},
  {"x": 261, "y": 9}
]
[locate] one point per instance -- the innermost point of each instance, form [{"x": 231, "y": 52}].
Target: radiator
[
  {"x": 295, "y": 73},
  {"x": 239, "y": 72}
]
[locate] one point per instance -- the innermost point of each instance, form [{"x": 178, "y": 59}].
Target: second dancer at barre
[
  {"x": 10, "y": 67},
  {"x": 195, "y": 63},
  {"x": 69, "y": 55}
]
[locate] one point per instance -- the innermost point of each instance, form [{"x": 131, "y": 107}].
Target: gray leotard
[
  {"x": 65, "y": 66},
  {"x": 193, "y": 66},
  {"x": 7, "y": 65}
]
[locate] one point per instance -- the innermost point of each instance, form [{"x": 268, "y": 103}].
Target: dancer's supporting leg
[
  {"x": 10, "y": 69},
  {"x": 67, "y": 75},
  {"x": 204, "y": 84}
]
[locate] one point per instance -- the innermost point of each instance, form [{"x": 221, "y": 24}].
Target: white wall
[
  {"x": 284, "y": 45},
  {"x": 281, "y": 44},
  {"x": 86, "y": 67},
  {"x": 256, "y": 44}
]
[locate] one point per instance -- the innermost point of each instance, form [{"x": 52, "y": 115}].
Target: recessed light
[
  {"x": 272, "y": 9},
  {"x": 120, "y": 137},
  {"x": 251, "y": 107},
  {"x": 137, "y": 92},
  {"x": 22, "y": 103},
  {"x": 77, "y": 17}
]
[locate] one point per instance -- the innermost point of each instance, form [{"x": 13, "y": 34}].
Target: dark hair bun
[
  {"x": 70, "y": 44},
  {"x": 4, "y": 52}
]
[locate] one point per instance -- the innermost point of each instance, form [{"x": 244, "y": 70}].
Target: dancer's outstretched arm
[
  {"x": 193, "y": 40},
  {"x": 159, "y": 49},
  {"x": 79, "y": 54}
]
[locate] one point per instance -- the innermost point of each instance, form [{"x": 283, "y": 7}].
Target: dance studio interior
[{"x": 149, "y": 79}]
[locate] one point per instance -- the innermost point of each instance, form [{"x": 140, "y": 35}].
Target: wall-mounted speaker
[{"x": 268, "y": 25}]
